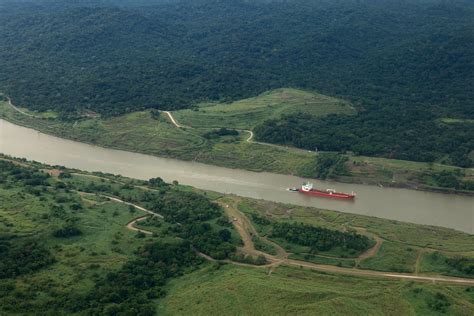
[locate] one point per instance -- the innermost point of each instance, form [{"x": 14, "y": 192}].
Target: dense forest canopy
[
  {"x": 403, "y": 62},
  {"x": 111, "y": 59}
]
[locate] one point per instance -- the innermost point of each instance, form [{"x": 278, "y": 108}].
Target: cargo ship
[{"x": 307, "y": 188}]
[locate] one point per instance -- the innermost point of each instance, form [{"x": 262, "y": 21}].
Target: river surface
[{"x": 452, "y": 211}]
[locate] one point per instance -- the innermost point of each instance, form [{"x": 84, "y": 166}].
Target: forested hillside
[
  {"x": 118, "y": 59},
  {"x": 410, "y": 63}
]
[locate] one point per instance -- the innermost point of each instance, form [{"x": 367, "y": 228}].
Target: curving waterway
[{"x": 452, "y": 211}]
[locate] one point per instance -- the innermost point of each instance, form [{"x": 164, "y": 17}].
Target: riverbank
[
  {"x": 398, "y": 204},
  {"x": 155, "y": 134}
]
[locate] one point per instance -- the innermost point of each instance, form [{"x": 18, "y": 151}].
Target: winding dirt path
[
  {"x": 170, "y": 116},
  {"x": 247, "y": 231},
  {"x": 18, "y": 109},
  {"x": 131, "y": 225},
  {"x": 248, "y": 140},
  {"x": 134, "y": 205},
  {"x": 371, "y": 252}
]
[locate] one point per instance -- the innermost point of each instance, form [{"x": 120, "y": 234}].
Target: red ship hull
[{"x": 334, "y": 195}]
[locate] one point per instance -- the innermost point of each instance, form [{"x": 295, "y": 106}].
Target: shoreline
[{"x": 399, "y": 185}]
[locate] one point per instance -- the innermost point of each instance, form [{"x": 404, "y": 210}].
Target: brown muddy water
[{"x": 447, "y": 210}]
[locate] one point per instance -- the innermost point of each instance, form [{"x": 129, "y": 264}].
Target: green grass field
[
  {"x": 392, "y": 257},
  {"x": 435, "y": 262},
  {"x": 232, "y": 290},
  {"x": 247, "y": 113}
]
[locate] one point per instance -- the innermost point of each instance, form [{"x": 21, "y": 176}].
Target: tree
[{"x": 225, "y": 234}]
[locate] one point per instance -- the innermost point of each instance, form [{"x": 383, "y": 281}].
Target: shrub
[{"x": 67, "y": 231}]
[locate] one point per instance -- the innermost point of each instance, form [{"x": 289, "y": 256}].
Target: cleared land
[
  {"x": 400, "y": 247},
  {"x": 154, "y": 133},
  {"x": 247, "y": 113},
  {"x": 233, "y": 290}
]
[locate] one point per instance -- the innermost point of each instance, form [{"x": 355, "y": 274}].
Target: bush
[
  {"x": 221, "y": 132},
  {"x": 22, "y": 257},
  {"x": 320, "y": 239},
  {"x": 260, "y": 220},
  {"x": 462, "y": 264},
  {"x": 67, "y": 231},
  {"x": 439, "y": 302}
]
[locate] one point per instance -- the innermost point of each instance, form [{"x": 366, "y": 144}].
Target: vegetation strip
[{"x": 153, "y": 132}]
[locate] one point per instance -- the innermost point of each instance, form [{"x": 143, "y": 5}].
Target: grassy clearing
[
  {"x": 400, "y": 173},
  {"x": 392, "y": 257},
  {"x": 139, "y": 130},
  {"x": 233, "y": 290},
  {"x": 247, "y": 113},
  {"x": 436, "y": 262},
  {"x": 26, "y": 215},
  {"x": 448, "y": 120}
]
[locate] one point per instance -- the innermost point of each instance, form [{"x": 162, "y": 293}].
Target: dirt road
[
  {"x": 248, "y": 140},
  {"x": 372, "y": 252},
  {"x": 174, "y": 121},
  {"x": 246, "y": 231},
  {"x": 131, "y": 225},
  {"x": 19, "y": 110}
]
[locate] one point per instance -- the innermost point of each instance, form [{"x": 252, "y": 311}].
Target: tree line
[
  {"x": 319, "y": 238},
  {"x": 399, "y": 133}
]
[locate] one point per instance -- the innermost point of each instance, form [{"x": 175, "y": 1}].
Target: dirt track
[
  {"x": 173, "y": 120},
  {"x": 19, "y": 110},
  {"x": 248, "y": 140},
  {"x": 372, "y": 251},
  {"x": 131, "y": 225},
  {"x": 246, "y": 229}
]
